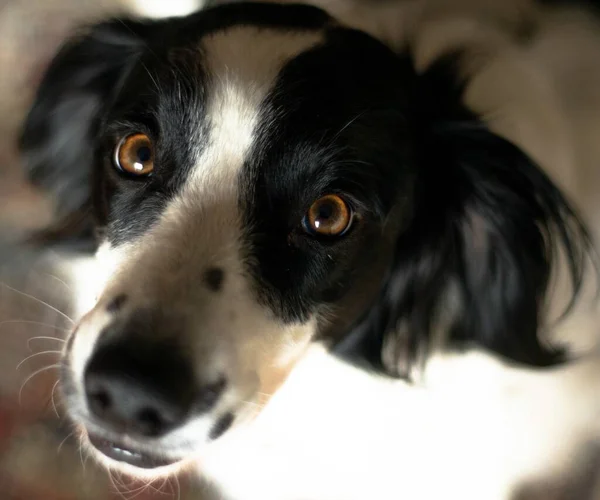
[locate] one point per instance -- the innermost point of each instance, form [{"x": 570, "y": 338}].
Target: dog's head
[{"x": 261, "y": 177}]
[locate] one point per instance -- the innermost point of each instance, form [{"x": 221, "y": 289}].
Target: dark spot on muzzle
[
  {"x": 116, "y": 303},
  {"x": 214, "y": 278},
  {"x": 221, "y": 426}
]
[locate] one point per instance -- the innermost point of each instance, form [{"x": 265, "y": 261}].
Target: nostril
[
  {"x": 99, "y": 401},
  {"x": 129, "y": 407},
  {"x": 150, "y": 423}
]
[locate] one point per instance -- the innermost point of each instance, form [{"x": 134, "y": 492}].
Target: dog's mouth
[{"x": 131, "y": 456}]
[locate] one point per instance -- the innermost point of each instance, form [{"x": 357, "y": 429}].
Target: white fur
[
  {"x": 474, "y": 431},
  {"x": 164, "y": 8}
]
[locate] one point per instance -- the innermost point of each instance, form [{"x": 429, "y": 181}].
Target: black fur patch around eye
[{"x": 328, "y": 126}]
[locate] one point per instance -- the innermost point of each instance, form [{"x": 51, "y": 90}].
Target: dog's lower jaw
[
  {"x": 129, "y": 456},
  {"x": 150, "y": 461},
  {"x": 125, "y": 456}
]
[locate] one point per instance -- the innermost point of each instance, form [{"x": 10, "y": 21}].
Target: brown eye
[
  {"x": 328, "y": 216},
  {"x": 135, "y": 155}
]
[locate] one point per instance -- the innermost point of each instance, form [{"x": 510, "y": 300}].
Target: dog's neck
[{"x": 474, "y": 429}]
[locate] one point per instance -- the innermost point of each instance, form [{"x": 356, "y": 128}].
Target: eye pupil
[
  {"x": 144, "y": 154},
  {"x": 326, "y": 210}
]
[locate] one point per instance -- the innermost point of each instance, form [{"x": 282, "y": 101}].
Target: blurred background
[{"x": 39, "y": 458}]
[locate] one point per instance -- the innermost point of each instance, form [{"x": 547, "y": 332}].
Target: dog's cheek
[
  {"x": 293, "y": 343},
  {"x": 92, "y": 277}
]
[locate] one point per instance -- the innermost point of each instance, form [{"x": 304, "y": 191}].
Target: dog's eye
[
  {"x": 135, "y": 155},
  {"x": 328, "y": 216}
]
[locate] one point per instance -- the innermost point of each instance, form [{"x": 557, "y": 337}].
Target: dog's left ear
[
  {"x": 57, "y": 141},
  {"x": 474, "y": 265}
]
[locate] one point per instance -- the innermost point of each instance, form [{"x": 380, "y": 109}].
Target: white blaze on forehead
[{"x": 242, "y": 64}]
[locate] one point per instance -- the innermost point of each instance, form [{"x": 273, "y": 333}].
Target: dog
[{"x": 260, "y": 177}]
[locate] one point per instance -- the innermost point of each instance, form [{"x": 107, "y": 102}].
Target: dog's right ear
[{"x": 57, "y": 140}]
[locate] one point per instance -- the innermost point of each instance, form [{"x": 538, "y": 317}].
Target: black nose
[
  {"x": 129, "y": 405},
  {"x": 144, "y": 390}
]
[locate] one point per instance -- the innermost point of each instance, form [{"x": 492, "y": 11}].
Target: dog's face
[
  {"x": 237, "y": 155},
  {"x": 262, "y": 177}
]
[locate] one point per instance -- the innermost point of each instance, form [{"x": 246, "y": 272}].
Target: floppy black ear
[
  {"x": 474, "y": 264},
  {"x": 57, "y": 139}
]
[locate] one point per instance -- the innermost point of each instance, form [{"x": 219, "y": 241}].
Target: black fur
[
  {"x": 329, "y": 126},
  {"x": 470, "y": 223},
  {"x": 487, "y": 227}
]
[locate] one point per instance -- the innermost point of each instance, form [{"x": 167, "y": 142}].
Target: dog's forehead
[
  {"x": 240, "y": 69},
  {"x": 237, "y": 108}
]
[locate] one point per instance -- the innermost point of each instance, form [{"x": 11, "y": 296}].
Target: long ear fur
[
  {"x": 58, "y": 135},
  {"x": 474, "y": 266}
]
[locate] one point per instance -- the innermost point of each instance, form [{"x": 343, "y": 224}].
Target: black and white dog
[{"x": 261, "y": 177}]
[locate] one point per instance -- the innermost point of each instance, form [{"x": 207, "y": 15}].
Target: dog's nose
[
  {"x": 128, "y": 404},
  {"x": 144, "y": 390}
]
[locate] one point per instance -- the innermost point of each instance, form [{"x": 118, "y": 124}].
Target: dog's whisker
[
  {"x": 46, "y": 337},
  {"x": 348, "y": 124},
  {"x": 136, "y": 492},
  {"x": 84, "y": 454},
  {"x": 253, "y": 403},
  {"x": 52, "y": 398},
  {"x": 130, "y": 484},
  {"x": 37, "y": 323},
  {"x": 266, "y": 394},
  {"x": 118, "y": 479},
  {"x": 131, "y": 490},
  {"x": 248, "y": 413},
  {"x": 178, "y": 487},
  {"x": 40, "y": 301},
  {"x": 149, "y": 487},
  {"x": 64, "y": 441},
  {"x": 62, "y": 282},
  {"x": 85, "y": 460},
  {"x": 160, "y": 488},
  {"x": 167, "y": 488},
  {"x": 119, "y": 485},
  {"x": 36, "y": 354},
  {"x": 62, "y": 341},
  {"x": 114, "y": 485},
  {"x": 37, "y": 372},
  {"x": 81, "y": 456},
  {"x": 157, "y": 87}
]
